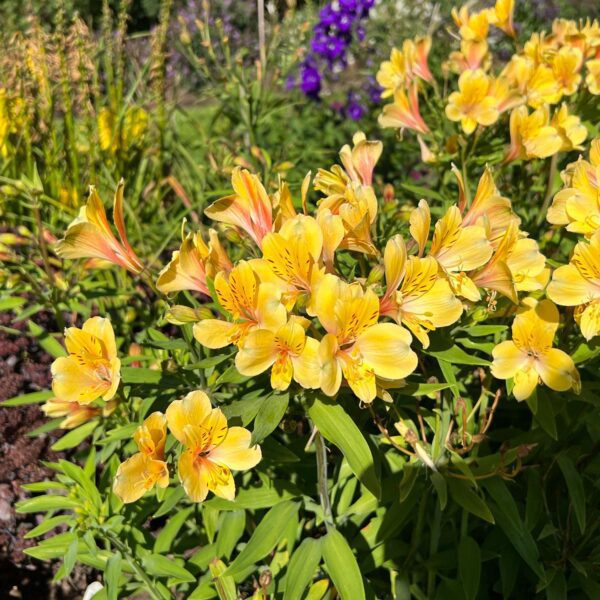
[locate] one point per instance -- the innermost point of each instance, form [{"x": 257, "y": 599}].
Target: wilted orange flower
[
  {"x": 147, "y": 468},
  {"x": 212, "y": 449},
  {"x": 91, "y": 369},
  {"x": 90, "y": 235}
]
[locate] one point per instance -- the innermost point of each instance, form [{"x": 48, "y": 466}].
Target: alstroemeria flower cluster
[
  {"x": 210, "y": 449},
  {"x": 290, "y": 310},
  {"x": 533, "y": 87},
  {"x": 577, "y": 208}
]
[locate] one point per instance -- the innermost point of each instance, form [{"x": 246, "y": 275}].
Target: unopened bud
[
  {"x": 376, "y": 275},
  {"x": 180, "y": 315},
  {"x": 265, "y": 578},
  {"x": 232, "y": 235},
  {"x": 389, "y": 193},
  {"x": 480, "y": 314}
]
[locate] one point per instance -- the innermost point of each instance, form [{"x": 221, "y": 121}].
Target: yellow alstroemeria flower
[
  {"x": 416, "y": 296},
  {"x": 592, "y": 79},
  {"x": 404, "y": 65},
  {"x": 578, "y": 204},
  {"x": 488, "y": 208},
  {"x": 212, "y": 449},
  {"x": 457, "y": 249},
  {"x": 91, "y": 370},
  {"x": 529, "y": 356},
  {"x": 472, "y": 26},
  {"x": 531, "y": 135},
  {"x": 251, "y": 303},
  {"x": 566, "y": 64},
  {"x": 503, "y": 16},
  {"x": 356, "y": 345},
  {"x": 360, "y": 160},
  {"x": 578, "y": 284},
  {"x": 516, "y": 265},
  {"x": 473, "y": 103},
  {"x": 90, "y": 235},
  {"x": 192, "y": 263},
  {"x": 249, "y": 208},
  {"x": 147, "y": 468},
  {"x": 293, "y": 253},
  {"x": 289, "y": 352},
  {"x": 570, "y": 128},
  {"x": 404, "y": 113}
]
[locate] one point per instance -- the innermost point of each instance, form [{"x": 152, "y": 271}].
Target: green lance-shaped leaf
[
  {"x": 575, "y": 487},
  {"x": 269, "y": 416},
  {"x": 266, "y": 536},
  {"x": 224, "y": 584},
  {"x": 469, "y": 566},
  {"x": 342, "y": 566},
  {"x": 508, "y": 519},
  {"x": 464, "y": 495},
  {"x": 302, "y": 567},
  {"x": 338, "y": 428}
]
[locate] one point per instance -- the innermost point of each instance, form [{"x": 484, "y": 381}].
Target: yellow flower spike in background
[
  {"x": 249, "y": 208},
  {"x": 142, "y": 471},
  {"x": 289, "y": 352},
  {"x": 211, "y": 448},
  {"x": 531, "y": 135},
  {"x": 90, "y": 235},
  {"x": 473, "y": 104},
  {"x": 416, "y": 296},
  {"x": 193, "y": 262},
  {"x": 578, "y": 284},
  {"x": 530, "y": 357},
  {"x": 251, "y": 303},
  {"x": 578, "y": 204},
  {"x": 91, "y": 370},
  {"x": 356, "y": 345}
]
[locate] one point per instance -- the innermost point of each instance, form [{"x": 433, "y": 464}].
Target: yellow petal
[
  {"x": 214, "y": 333},
  {"x": 525, "y": 383},
  {"x": 508, "y": 359},
  {"x": 385, "y": 347},
  {"x": 74, "y": 382},
  {"x": 557, "y": 370},
  {"x": 137, "y": 475},
  {"x": 193, "y": 476},
  {"x": 331, "y": 372},
  {"x": 394, "y": 260},
  {"x": 307, "y": 370},
  {"x": 569, "y": 288},
  {"x": 102, "y": 329},
  {"x": 191, "y": 410},
  {"x": 420, "y": 221},
  {"x": 151, "y": 436},
  {"x": 257, "y": 353},
  {"x": 589, "y": 321},
  {"x": 235, "y": 451}
]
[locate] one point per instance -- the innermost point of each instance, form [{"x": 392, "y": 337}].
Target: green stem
[
  {"x": 322, "y": 478},
  {"x": 136, "y": 566},
  {"x": 549, "y": 186}
]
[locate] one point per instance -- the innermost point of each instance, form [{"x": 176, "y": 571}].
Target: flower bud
[{"x": 376, "y": 275}]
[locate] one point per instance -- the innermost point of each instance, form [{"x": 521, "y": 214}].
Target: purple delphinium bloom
[
  {"x": 344, "y": 22},
  {"x": 355, "y": 111},
  {"x": 335, "y": 47},
  {"x": 327, "y": 16},
  {"x": 310, "y": 80},
  {"x": 349, "y": 5}
]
